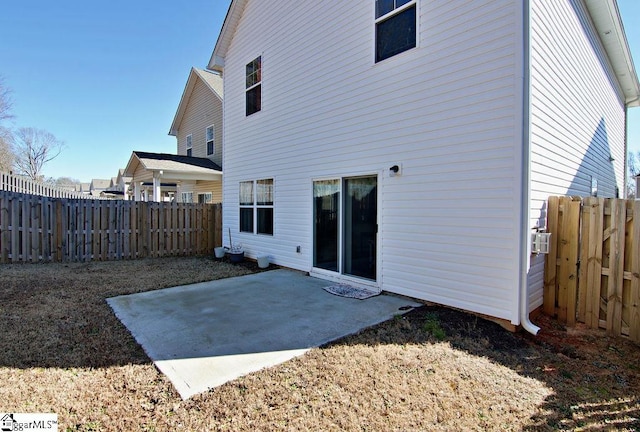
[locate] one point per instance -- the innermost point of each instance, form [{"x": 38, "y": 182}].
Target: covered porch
[{"x": 168, "y": 177}]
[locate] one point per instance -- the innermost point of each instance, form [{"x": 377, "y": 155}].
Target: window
[
  {"x": 205, "y": 198},
  {"x": 187, "y": 197},
  {"x": 395, "y": 27},
  {"x": 210, "y": 138},
  {"x": 189, "y": 145},
  {"x": 256, "y": 206},
  {"x": 253, "y": 86}
]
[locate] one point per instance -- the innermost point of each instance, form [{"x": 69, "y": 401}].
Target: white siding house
[{"x": 416, "y": 169}]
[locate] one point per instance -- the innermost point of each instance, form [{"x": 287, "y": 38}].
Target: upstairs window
[
  {"x": 189, "y": 145},
  {"x": 210, "y": 138},
  {"x": 395, "y": 27},
  {"x": 253, "y": 86}
]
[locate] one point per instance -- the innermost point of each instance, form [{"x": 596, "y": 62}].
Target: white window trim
[
  {"x": 395, "y": 11},
  {"x": 389, "y": 15},
  {"x": 213, "y": 139},
  {"x": 259, "y": 83},
  {"x": 209, "y": 194},
  {"x": 188, "y": 143},
  {"x": 255, "y": 206},
  {"x": 187, "y": 197}
]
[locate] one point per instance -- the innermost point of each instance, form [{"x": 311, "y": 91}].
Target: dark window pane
[
  {"x": 246, "y": 220},
  {"x": 383, "y": 7},
  {"x": 210, "y": 148},
  {"x": 189, "y": 152},
  {"x": 254, "y": 72},
  {"x": 265, "y": 221},
  {"x": 396, "y": 34},
  {"x": 254, "y": 99}
]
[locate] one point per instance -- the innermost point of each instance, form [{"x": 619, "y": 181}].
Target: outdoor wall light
[{"x": 394, "y": 169}]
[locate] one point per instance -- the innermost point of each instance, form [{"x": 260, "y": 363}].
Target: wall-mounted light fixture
[{"x": 394, "y": 171}]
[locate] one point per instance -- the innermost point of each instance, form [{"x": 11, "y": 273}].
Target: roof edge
[
  {"x": 608, "y": 22},
  {"x": 216, "y": 62}
]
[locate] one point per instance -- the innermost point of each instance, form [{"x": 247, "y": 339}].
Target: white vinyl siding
[
  {"x": 447, "y": 112},
  {"x": 577, "y": 115}
]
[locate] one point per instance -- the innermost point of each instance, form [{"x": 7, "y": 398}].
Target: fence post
[{"x": 550, "y": 280}]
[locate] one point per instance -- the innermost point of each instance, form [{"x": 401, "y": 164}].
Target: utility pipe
[{"x": 525, "y": 207}]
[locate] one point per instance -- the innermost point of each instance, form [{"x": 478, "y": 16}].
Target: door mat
[{"x": 350, "y": 291}]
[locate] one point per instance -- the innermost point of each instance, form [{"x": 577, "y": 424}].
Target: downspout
[{"x": 525, "y": 232}]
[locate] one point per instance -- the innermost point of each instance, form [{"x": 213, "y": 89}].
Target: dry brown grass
[{"x": 63, "y": 351}]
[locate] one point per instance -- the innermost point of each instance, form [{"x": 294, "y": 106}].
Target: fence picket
[
  {"x": 616, "y": 269},
  {"x": 592, "y": 238}
]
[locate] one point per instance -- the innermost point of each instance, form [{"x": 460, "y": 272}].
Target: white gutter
[{"x": 525, "y": 232}]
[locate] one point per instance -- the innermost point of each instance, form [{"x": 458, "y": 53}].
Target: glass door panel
[
  {"x": 360, "y": 226},
  {"x": 326, "y": 225}
]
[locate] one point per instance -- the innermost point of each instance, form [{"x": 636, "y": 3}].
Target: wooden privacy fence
[
  {"x": 592, "y": 272},
  {"x": 43, "y": 229}
]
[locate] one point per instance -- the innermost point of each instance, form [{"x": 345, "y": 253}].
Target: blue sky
[{"x": 106, "y": 77}]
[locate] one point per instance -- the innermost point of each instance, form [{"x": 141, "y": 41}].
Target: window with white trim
[
  {"x": 210, "y": 136},
  {"x": 256, "y": 206},
  {"x": 396, "y": 22},
  {"x": 205, "y": 198},
  {"x": 254, "y": 86},
  {"x": 189, "y": 145},
  {"x": 187, "y": 197}
]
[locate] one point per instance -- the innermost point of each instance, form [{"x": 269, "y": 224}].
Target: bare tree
[
  {"x": 32, "y": 149},
  {"x": 633, "y": 165},
  {"x": 6, "y": 154},
  {"x": 5, "y": 101}
]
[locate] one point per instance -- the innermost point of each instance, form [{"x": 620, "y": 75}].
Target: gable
[{"x": 212, "y": 82}]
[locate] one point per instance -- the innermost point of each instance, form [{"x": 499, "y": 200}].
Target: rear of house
[{"x": 382, "y": 144}]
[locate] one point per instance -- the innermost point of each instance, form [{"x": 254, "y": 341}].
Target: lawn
[{"x": 63, "y": 351}]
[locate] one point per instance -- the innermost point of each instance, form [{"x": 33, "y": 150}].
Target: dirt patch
[{"x": 431, "y": 369}]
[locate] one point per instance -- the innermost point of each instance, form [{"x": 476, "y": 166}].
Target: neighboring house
[
  {"x": 84, "y": 188},
  {"x": 195, "y": 173},
  {"x": 197, "y": 127},
  {"x": 156, "y": 176},
  {"x": 411, "y": 147},
  {"x": 118, "y": 187},
  {"x": 98, "y": 186}
]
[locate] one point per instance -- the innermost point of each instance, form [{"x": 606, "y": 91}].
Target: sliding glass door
[{"x": 346, "y": 225}]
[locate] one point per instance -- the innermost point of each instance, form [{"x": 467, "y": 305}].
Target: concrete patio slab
[{"x": 203, "y": 335}]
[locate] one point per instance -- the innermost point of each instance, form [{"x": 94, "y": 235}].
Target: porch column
[
  {"x": 137, "y": 193},
  {"x": 156, "y": 187}
]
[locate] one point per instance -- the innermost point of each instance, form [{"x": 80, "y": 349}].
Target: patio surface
[{"x": 203, "y": 335}]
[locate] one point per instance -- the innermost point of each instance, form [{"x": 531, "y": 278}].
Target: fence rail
[
  {"x": 592, "y": 273},
  {"x": 44, "y": 229},
  {"x": 19, "y": 184}
]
